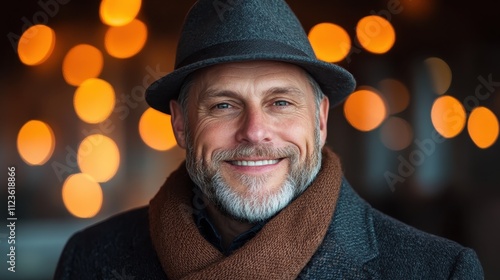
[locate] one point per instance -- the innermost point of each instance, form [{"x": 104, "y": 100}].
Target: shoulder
[
  {"x": 118, "y": 246},
  {"x": 401, "y": 245},
  {"x": 393, "y": 248}
]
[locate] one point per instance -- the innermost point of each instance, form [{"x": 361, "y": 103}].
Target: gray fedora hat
[{"x": 223, "y": 31}]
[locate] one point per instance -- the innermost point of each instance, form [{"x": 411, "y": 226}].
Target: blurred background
[{"x": 418, "y": 138}]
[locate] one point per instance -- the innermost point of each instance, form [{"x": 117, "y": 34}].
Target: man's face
[{"x": 253, "y": 136}]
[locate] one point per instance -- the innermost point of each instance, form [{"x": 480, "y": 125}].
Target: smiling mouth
[{"x": 254, "y": 162}]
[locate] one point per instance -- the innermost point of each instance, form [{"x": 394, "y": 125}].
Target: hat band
[{"x": 238, "y": 48}]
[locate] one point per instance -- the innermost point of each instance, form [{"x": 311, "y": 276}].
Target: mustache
[{"x": 251, "y": 150}]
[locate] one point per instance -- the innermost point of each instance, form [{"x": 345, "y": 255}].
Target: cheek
[
  {"x": 209, "y": 136},
  {"x": 301, "y": 132}
]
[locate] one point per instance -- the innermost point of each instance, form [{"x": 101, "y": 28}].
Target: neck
[{"x": 227, "y": 227}]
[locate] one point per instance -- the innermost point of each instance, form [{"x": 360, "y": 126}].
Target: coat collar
[{"x": 350, "y": 242}]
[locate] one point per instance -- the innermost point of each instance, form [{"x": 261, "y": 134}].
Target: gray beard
[{"x": 253, "y": 206}]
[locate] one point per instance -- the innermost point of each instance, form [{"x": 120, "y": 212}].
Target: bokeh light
[
  {"x": 82, "y": 195},
  {"x": 119, "y": 12},
  {"x": 420, "y": 10},
  {"x": 36, "y": 44},
  {"x": 396, "y": 94},
  {"x": 365, "y": 109},
  {"x": 375, "y": 34},
  {"x": 440, "y": 74},
  {"x": 448, "y": 116},
  {"x": 156, "y": 130},
  {"x": 35, "y": 142},
  {"x": 82, "y": 62},
  {"x": 483, "y": 127},
  {"x": 94, "y": 100},
  {"x": 330, "y": 42},
  {"x": 120, "y": 44},
  {"x": 396, "y": 133},
  {"x": 99, "y": 157}
]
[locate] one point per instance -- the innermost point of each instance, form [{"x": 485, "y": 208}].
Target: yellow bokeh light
[
  {"x": 396, "y": 133},
  {"x": 82, "y": 195},
  {"x": 375, "y": 34},
  {"x": 156, "y": 131},
  {"x": 440, "y": 74},
  {"x": 82, "y": 62},
  {"x": 36, "y": 44},
  {"x": 330, "y": 42},
  {"x": 365, "y": 110},
  {"x": 35, "y": 142},
  {"x": 396, "y": 94},
  {"x": 94, "y": 100},
  {"x": 98, "y": 156},
  {"x": 120, "y": 44},
  {"x": 483, "y": 127},
  {"x": 448, "y": 116},
  {"x": 119, "y": 12}
]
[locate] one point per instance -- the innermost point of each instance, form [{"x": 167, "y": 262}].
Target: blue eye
[
  {"x": 281, "y": 103},
  {"x": 223, "y": 106}
]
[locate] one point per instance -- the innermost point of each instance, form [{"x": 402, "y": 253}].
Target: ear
[
  {"x": 178, "y": 123},
  {"x": 324, "y": 109}
]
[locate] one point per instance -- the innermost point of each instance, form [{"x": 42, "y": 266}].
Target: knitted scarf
[{"x": 281, "y": 249}]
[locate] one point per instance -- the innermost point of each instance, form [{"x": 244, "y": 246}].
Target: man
[{"x": 259, "y": 196}]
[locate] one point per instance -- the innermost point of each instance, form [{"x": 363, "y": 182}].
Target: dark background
[{"x": 454, "y": 193}]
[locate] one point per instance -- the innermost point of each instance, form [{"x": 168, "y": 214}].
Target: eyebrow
[
  {"x": 286, "y": 90},
  {"x": 214, "y": 93}
]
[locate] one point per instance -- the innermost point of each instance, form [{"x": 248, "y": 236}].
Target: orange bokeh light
[
  {"x": 82, "y": 195},
  {"x": 94, "y": 100},
  {"x": 81, "y": 63},
  {"x": 119, "y": 12},
  {"x": 35, "y": 142},
  {"x": 120, "y": 44},
  {"x": 98, "y": 156},
  {"x": 448, "y": 116},
  {"x": 375, "y": 34},
  {"x": 483, "y": 127},
  {"x": 156, "y": 130},
  {"x": 365, "y": 110},
  {"x": 36, "y": 44},
  {"x": 330, "y": 42}
]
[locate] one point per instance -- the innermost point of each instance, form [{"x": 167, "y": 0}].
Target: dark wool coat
[{"x": 361, "y": 243}]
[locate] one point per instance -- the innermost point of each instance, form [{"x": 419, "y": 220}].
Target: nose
[{"x": 254, "y": 128}]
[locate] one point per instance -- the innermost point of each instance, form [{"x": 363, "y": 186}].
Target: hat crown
[{"x": 210, "y": 23}]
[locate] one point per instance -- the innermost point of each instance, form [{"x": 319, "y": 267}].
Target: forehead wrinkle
[
  {"x": 225, "y": 76},
  {"x": 215, "y": 93}
]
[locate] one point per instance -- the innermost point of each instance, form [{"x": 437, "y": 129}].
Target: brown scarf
[{"x": 281, "y": 249}]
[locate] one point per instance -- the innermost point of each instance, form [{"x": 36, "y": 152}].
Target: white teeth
[{"x": 255, "y": 163}]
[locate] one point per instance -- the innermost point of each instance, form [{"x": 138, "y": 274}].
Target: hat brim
[{"x": 336, "y": 82}]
